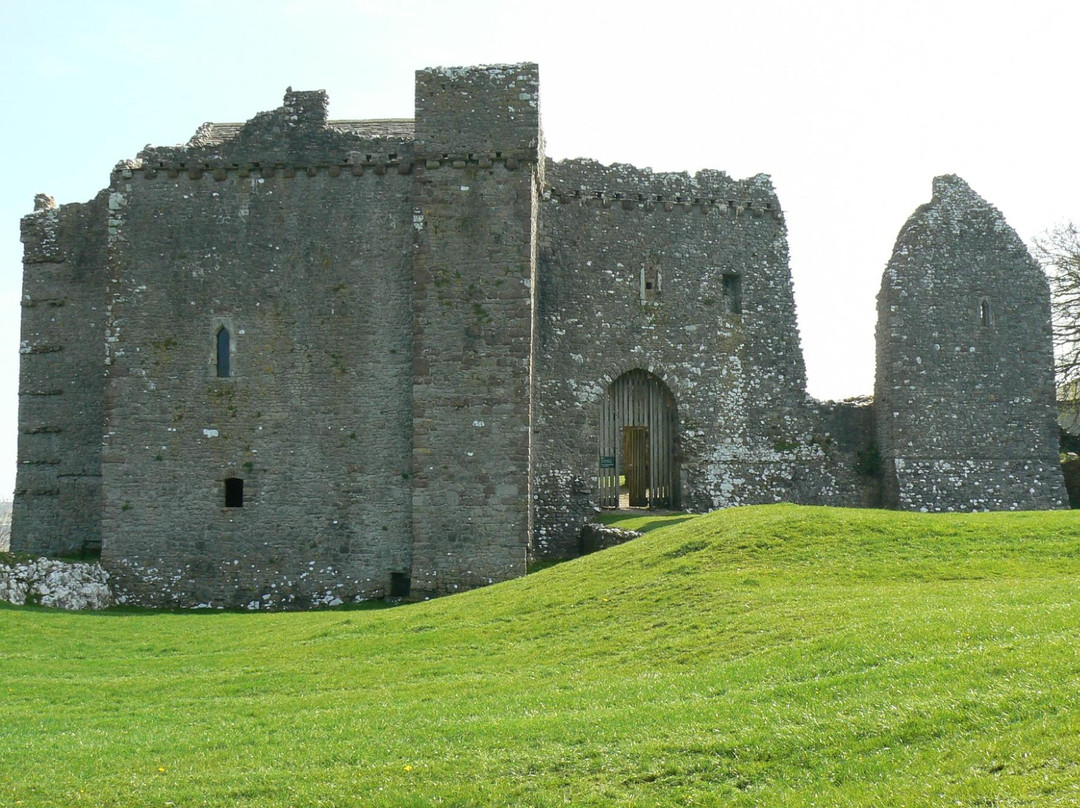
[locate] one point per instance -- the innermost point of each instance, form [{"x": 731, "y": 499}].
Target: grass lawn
[{"x": 773, "y": 656}]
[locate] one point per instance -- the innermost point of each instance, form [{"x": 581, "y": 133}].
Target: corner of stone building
[{"x": 56, "y": 509}]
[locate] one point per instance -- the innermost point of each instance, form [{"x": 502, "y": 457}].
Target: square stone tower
[{"x": 479, "y": 168}]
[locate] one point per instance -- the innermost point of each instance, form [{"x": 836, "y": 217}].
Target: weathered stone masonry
[
  {"x": 299, "y": 361},
  {"x": 61, "y": 377},
  {"x": 966, "y": 414}
]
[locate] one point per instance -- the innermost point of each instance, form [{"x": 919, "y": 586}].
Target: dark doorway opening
[{"x": 399, "y": 585}]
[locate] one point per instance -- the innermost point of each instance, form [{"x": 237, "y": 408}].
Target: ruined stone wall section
[
  {"x": 61, "y": 379},
  {"x": 736, "y": 371},
  {"x": 307, "y": 265},
  {"x": 293, "y": 138},
  {"x": 477, "y": 132},
  {"x": 850, "y": 472},
  {"x": 966, "y": 416}
]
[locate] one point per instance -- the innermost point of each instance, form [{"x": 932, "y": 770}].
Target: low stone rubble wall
[
  {"x": 595, "y": 536},
  {"x": 57, "y": 584}
]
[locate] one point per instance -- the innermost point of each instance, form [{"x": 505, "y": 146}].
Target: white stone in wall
[{"x": 56, "y": 584}]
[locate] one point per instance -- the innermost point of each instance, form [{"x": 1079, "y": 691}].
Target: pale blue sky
[{"x": 852, "y": 107}]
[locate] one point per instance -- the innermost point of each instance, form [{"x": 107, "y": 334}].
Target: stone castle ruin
[{"x": 299, "y": 361}]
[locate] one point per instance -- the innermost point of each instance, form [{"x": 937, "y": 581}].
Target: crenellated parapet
[
  {"x": 354, "y": 163},
  {"x": 587, "y": 182}
]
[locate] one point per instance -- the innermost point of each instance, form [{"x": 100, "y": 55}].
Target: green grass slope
[{"x": 778, "y": 656}]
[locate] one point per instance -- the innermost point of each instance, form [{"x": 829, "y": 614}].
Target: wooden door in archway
[
  {"x": 638, "y": 438},
  {"x": 635, "y": 453}
]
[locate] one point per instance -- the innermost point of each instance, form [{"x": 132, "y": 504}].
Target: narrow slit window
[
  {"x": 733, "y": 294},
  {"x": 650, "y": 283},
  {"x": 985, "y": 318},
  {"x": 223, "y": 349},
  {"x": 234, "y": 492}
]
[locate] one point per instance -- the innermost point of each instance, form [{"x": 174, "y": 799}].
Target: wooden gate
[
  {"x": 636, "y": 464},
  {"x": 638, "y": 436}
]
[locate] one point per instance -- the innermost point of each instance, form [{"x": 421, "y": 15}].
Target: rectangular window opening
[
  {"x": 234, "y": 492},
  {"x": 650, "y": 283}
]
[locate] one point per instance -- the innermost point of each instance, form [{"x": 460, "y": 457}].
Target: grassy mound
[{"x": 773, "y": 656}]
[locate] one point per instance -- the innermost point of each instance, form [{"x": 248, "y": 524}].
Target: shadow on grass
[{"x": 640, "y": 522}]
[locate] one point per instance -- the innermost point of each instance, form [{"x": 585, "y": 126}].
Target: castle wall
[
  {"x": 734, "y": 367},
  {"x": 478, "y": 135},
  {"x": 966, "y": 415},
  {"x": 56, "y": 510},
  {"x": 299, "y": 362},
  {"x": 304, "y": 258},
  {"x": 848, "y": 474}
]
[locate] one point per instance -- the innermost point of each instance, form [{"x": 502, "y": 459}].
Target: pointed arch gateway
[{"x": 638, "y": 437}]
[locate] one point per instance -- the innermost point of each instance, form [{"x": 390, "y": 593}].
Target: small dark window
[
  {"x": 234, "y": 492},
  {"x": 733, "y": 294},
  {"x": 399, "y": 585},
  {"x": 223, "y": 349},
  {"x": 985, "y": 318}
]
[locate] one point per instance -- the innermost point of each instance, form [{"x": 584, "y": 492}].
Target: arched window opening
[
  {"x": 234, "y": 492},
  {"x": 223, "y": 349},
  {"x": 638, "y": 463}
]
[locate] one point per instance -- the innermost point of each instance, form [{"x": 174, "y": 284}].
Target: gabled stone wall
[{"x": 966, "y": 415}]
